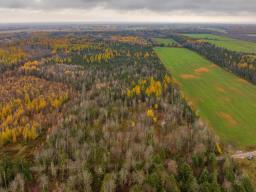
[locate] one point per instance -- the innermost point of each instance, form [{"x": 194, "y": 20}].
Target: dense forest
[
  {"x": 83, "y": 112},
  {"x": 241, "y": 64}
]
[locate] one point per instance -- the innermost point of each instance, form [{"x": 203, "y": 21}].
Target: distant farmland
[
  {"x": 225, "y": 102},
  {"x": 166, "y": 41},
  {"x": 225, "y": 42}
]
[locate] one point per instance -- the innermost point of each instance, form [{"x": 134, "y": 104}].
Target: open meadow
[
  {"x": 166, "y": 42},
  {"x": 226, "y": 42},
  {"x": 225, "y": 102}
]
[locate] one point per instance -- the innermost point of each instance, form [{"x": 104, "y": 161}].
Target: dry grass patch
[
  {"x": 226, "y": 99},
  {"x": 213, "y": 66},
  {"x": 228, "y": 118},
  {"x": 242, "y": 81},
  {"x": 202, "y": 70},
  {"x": 188, "y": 76},
  {"x": 220, "y": 89}
]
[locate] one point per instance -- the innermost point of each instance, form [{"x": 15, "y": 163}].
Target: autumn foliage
[
  {"x": 97, "y": 111},
  {"x": 150, "y": 87},
  {"x": 129, "y": 39},
  {"x": 25, "y": 103}
]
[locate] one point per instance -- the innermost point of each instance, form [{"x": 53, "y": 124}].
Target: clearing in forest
[
  {"x": 166, "y": 42},
  {"x": 226, "y": 42},
  {"x": 220, "y": 98}
]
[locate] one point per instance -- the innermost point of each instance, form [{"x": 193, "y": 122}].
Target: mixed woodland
[{"x": 100, "y": 112}]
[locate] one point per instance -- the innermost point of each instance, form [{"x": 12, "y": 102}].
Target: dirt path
[
  {"x": 243, "y": 155},
  {"x": 239, "y": 155}
]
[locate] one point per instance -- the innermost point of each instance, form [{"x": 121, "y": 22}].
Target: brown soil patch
[
  {"x": 228, "y": 118},
  {"x": 188, "y": 76},
  {"x": 202, "y": 70}
]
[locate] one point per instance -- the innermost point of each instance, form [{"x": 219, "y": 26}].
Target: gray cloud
[{"x": 196, "y": 6}]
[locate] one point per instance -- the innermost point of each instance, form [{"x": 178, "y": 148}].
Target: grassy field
[
  {"x": 225, "y": 42},
  {"x": 166, "y": 41},
  {"x": 225, "y": 102}
]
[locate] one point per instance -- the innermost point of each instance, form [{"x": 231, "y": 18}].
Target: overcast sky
[{"x": 219, "y": 11}]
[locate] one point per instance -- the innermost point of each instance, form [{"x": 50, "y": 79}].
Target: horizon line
[{"x": 126, "y": 22}]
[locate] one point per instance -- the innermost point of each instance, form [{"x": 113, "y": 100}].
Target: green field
[
  {"x": 225, "y": 102},
  {"x": 225, "y": 42},
  {"x": 166, "y": 41}
]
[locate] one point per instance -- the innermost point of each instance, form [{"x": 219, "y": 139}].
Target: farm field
[
  {"x": 225, "y": 102},
  {"x": 225, "y": 42},
  {"x": 166, "y": 41}
]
